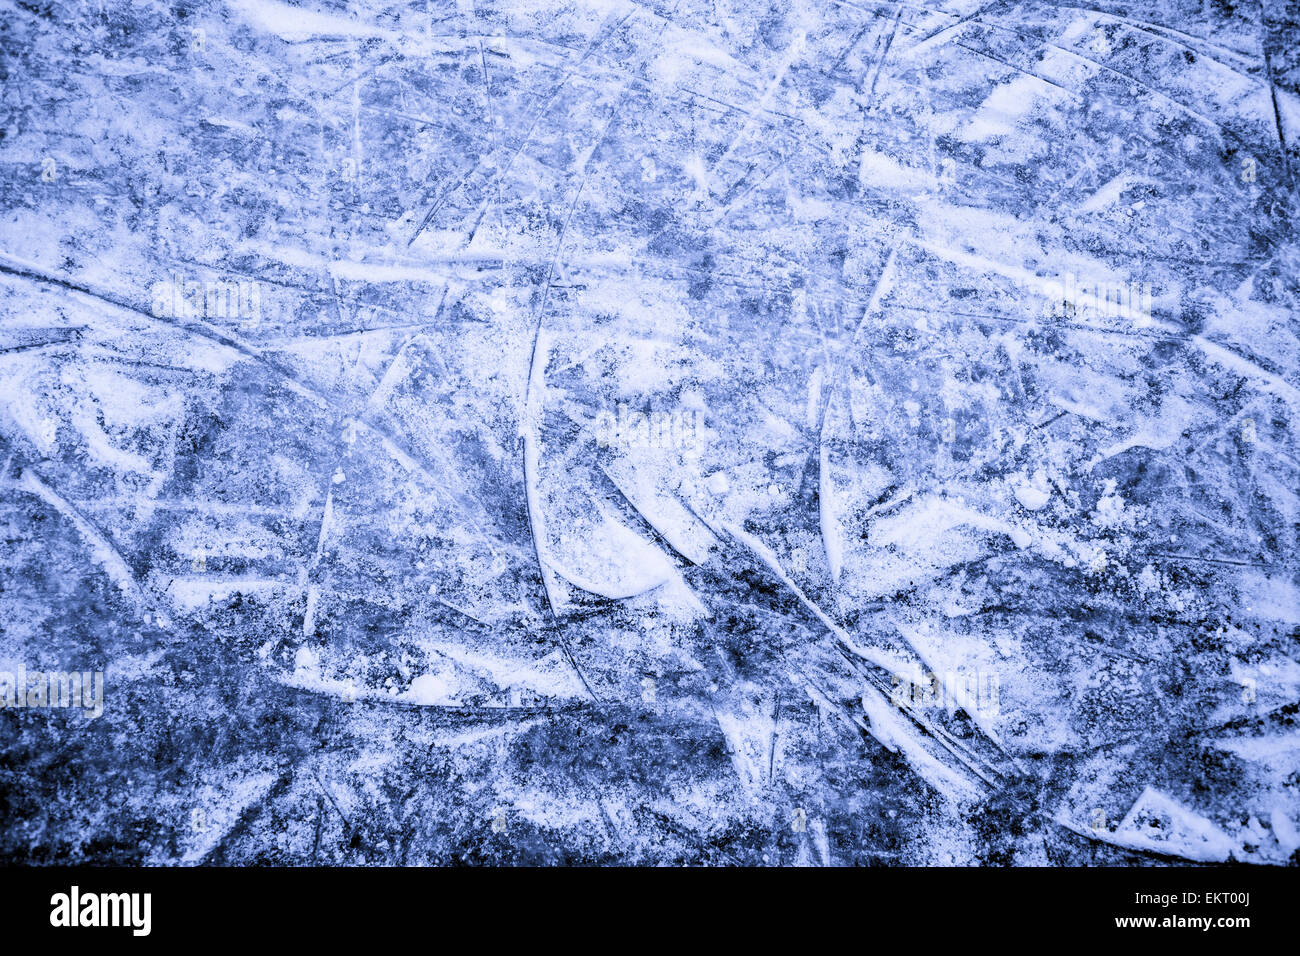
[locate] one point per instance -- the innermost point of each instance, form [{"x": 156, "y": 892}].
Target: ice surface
[{"x": 651, "y": 432}]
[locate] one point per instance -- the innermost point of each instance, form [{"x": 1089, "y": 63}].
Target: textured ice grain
[{"x": 649, "y": 432}]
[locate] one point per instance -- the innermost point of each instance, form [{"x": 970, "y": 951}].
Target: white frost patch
[
  {"x": 1033, "y": 492},
  {"x": 434, "y": 689},
  {"x": 300, "y": 23},
  {"x": 191, "y": 593},
  {"x": 1157, "y": 823}
]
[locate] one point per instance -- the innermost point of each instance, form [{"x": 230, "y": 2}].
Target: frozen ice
[{"x": 650, "y": 431}]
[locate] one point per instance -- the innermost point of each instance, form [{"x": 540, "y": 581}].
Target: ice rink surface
[{"x": 823, "y": 433}]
